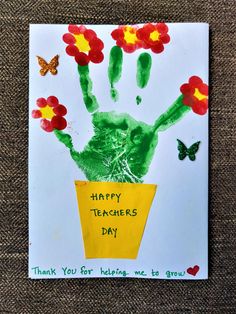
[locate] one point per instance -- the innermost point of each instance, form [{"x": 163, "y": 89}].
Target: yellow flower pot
[{"x": 113, "y": 217}]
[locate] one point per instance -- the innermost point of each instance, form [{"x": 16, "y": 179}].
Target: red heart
[{"x": 193, "y": 270}]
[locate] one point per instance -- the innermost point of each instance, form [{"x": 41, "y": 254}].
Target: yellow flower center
[
  {"x": 199, "y": 95},
  {"x": 154, "y": 35},
  {"x": 130, "y": 35},
  {"x": 47, "y": 112},
  {"x": 81, "y": 43}
]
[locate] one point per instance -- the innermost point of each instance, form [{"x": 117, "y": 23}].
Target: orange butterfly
[{"x": 51, "y": 66}]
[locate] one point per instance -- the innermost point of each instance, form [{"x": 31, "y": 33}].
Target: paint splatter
[
  {"x": 86, "y": 86},
  {"x": 115, "y": 70},
  {"x": 144, "y": 65},
  {"x": 138, "y": 100}
]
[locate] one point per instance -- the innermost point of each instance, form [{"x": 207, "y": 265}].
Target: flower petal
[
  {"x": 195, "y": 81},
  {"x": 68, "y": 38},
  {"x": 145, "y": 45},
  {"x": 41, "y": 102},
  {"x": 96, "y": 56},
  {"x": 46, "y": 125},
  {"x": 140, "y": 33},
  {"x": 76, "y": 29},
  {"x": 120, "y": 43},
  {"x": 36, "y": 114},
  {"x": 165, "y": 38},
  {"x": 203, "y": 89},
  {"x": 82, "y": 59},
  {"x": 96, "y": 44},
  {"x": 52, "y": 101},
  {"x": 162, "y": 27},
  {"x": 129, "y": 48},
  {"x": 186, "y": 89},
  {"x": 117, "y": 33},
  {"x": 59, "y": 123},
  {"x": 60, "y": 110},
  {"x": 158, "y": 48},
  {"x": 200, "y": 107},
  {"x": 72, "y": 50},
  {"x": 89, "y": 34},
  {"x": 148, "y": 28},
  {"x": 188, "y": 100}
]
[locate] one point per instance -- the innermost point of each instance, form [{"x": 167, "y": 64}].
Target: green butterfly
[{"x": 190, "y": 152}]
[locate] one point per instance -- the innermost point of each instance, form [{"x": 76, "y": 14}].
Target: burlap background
[{"x": 21, "y": 295}]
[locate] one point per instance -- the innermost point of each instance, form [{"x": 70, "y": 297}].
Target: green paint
[
  {"x": 67, "y": 141},
  {"x": 172, "y": 115},
  {"x": 86, "y": 86},
  {"x": 190, "y": 152},
  {"x": 64, "y": 138},
  {"x": 115, "y": 64},
  {"x": 138, "y": 100},
  {"x": 144, "y": 65},
  {"x": 114, "y": 94},
  {"x": 115, "y": 69},
  {"x": 121, "y": 149}
]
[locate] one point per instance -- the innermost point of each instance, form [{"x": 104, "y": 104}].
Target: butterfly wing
[
  {"x": 192, "y": 157},
  {"x": 53, "y": 65},
  {"x": 193, "y": 150},
  {"x": 43, "y": 64},
  {"x": 182, "y": 150}
]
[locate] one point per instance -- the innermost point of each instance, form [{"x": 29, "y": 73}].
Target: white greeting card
[{"x": 118, "y": 151}]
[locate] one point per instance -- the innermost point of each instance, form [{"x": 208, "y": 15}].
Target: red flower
[
  {"x": 126, "y": 38},
  {"x": 195, "y": 95},
  {"x": 51, "y": 113},
  {"x": 83, "y": 45},
  {"x": 154, "y": 36}
]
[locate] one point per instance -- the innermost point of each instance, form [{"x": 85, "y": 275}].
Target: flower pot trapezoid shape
[{"x": 113, "y": 217}]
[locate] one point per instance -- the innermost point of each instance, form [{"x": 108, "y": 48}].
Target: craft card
[{"x": 118, "y": 151}]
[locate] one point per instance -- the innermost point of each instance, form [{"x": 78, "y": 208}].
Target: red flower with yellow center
[
  {"x": 83, "y": 45},
  {"x": 51, "y": 114},
  {"x": 126, "y": 38},
  {"x": 154, "y": 36},
  {"x": 195, "y": 95}
]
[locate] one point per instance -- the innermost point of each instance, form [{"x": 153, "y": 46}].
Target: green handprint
[{"x": 122, "y": 148}]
